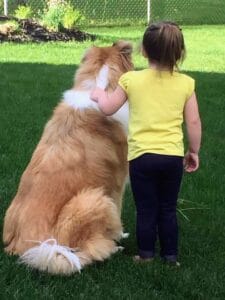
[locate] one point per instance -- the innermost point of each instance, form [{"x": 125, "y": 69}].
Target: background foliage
[{"x": 130, "y": 12}]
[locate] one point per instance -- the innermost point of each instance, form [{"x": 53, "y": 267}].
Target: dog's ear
[
  {"x": 87, "y": 54},
  {"x": 124, "y": 47}
]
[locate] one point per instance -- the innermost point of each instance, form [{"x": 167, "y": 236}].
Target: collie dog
[{"x": 66, "y": 213}]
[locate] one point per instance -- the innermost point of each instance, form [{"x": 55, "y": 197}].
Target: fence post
[
  {"x": 148, "y": 10},
  {"x": 6, "y": 7}
]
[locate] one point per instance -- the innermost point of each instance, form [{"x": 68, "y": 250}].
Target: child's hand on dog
[{"x": 96, "y": 93}]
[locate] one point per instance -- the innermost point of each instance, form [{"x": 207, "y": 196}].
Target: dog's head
[{"x": 115, "y": 59}]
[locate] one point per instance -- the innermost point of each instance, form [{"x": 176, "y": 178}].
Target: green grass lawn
[{"x": 32, "y": 80}]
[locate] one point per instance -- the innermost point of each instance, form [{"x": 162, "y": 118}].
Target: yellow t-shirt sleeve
[
  {"x": 124, "y": 82},
  {"x": 191, "y": 87}
]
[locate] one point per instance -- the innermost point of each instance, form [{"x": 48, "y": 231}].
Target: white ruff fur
[
  {"x": 81, "y": 99},
  {"x": 51, "y": 257},
  {"x": 102, "y": 78}
]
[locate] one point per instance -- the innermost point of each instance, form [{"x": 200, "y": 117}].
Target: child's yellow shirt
[{"x": 156, "y": 104}]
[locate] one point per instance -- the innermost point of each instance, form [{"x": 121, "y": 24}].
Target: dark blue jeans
[{"x": 155, "y": 182}]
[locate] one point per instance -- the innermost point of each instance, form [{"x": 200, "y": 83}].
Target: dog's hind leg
[
  {"x": 90, "y": 222},
  {"x": 85, "y": 231}
]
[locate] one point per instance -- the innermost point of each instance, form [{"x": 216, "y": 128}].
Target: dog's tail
[
  {"x": 51, "y": 257},
  {"x": 86, "y": 230}
]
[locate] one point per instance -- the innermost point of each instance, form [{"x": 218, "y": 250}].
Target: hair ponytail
[{"x": 164, "y": 43}]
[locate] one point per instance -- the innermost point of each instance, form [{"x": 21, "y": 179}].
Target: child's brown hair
[{"x": 163, "y": 43}]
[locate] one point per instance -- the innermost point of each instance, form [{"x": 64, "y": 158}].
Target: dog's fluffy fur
[{"x": 66, "y": 213}]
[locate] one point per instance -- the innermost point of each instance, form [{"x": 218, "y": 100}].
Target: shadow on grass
[
  {"x": 29, "y": 93},
  {"x": 34, "y": 89}
]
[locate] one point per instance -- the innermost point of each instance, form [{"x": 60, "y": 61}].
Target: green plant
[
  {"x": 60, "y": 15},
  {"x": 71, "y": 17},
  {"x": 53, "y": 16},
  {"x": 23, "y": 12}
]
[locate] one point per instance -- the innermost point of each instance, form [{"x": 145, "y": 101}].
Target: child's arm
[
  {"x": 193, "y": 125},
  {"x": 109, "y": 103}
]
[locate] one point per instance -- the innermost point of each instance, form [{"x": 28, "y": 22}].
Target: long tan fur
[{"x": 66, "y": 213}]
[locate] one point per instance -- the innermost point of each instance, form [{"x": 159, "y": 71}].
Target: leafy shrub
[
  {"x": 71, "y": 17},
  {"x": 23, "y": 12},
  {"x": 53, "y": 16},
  {"x": 60, "y": 14}
]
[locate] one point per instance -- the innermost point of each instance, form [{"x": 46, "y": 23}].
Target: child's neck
[{"x": 155, "y": 66}]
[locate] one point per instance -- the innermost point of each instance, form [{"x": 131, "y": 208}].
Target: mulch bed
[{"x": 31, "y": 31}]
